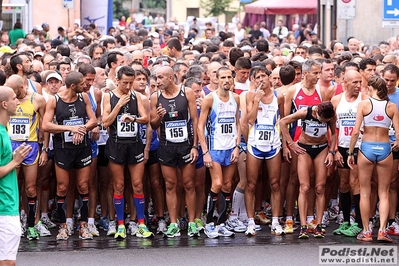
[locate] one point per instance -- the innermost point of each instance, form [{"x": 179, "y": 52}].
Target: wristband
[
  {"x": 350, "y": 153},
  {"x": 332, "y": 152},
  {"x": 292, "y": 143},
  {"x": 194, "y": 147},
  {"x": 205, "y": 152},
  {"x": 238, "y": 146}
]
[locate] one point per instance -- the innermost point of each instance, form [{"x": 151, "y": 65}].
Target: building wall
[{"x": 367, "y": 25}]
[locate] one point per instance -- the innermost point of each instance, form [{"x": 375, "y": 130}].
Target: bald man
[
  {"x": 9, "y": 197},
  {"x": 138, "y": 56},
  {"x": 345, "y": 105},
  {"x": 213, "y": 81},
  {"x": 279, "y": 61},
  {"x": 275, "y": 80},
  {"x": 353, "y": 45},
  {"x": 172, "y": 108},
  {"x": 25, "y": 127}
]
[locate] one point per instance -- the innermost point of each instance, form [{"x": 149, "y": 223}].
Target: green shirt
[
  {"x": 9, "y": 197},
  {"x": 16, "y": 34}
]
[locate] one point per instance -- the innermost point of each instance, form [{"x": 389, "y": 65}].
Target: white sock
[
  {"x": 309, "y": 219},
  {"x": 69, "y": 220},
  {"x": 251, "y": 221},
  {"x": 90, "y": 220},
  {"x": 274, "y": 220},
  {"x": 289, "y": 218},
  {"x": 44, "y": 215},
  {"x": 238, "y": 199}
]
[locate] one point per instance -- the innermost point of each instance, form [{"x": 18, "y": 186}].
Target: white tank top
[
  {"x": 378, "y": 116},
  {"x": 346, "y": 119},
  {"x": 264, "y": 134}
]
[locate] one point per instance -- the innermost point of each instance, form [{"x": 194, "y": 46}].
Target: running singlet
[
  {"x": 175, "y": 126},
  {"x": 221, "y": 123},
  {"x": 346, "y": 119},
  {"x": 378, "y": 116},
  {"x": 312, "y": 126},
  {"x": 124, "y": 132},
  {"x": 24, "y": 125},
  {"x": 393, "y": 98},
  {"x": 69, "y": 114},
  {"x": 301, "y": 100},
  {"x": 264, "y": 134}
]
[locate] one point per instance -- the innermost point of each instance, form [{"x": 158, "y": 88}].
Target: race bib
[
  {"x": 226, "y": 127},
  {"x": 264, "y": 134},
  {"x": 315, "y": 129},
  {"x": 71, "y": 122},
  {"x": 126, "y": 129},
  {"x": 143, "y": 133},
  {"x": 176, "y": 131},
  {"x": 19, "y": 128},
  {"x": 391, "y": 131}
]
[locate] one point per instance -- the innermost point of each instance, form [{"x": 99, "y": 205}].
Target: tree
[
  {"x": 154, "y": 4},
  {"x": 119, "y": 10},
  {"x": 215, "y": 8}
]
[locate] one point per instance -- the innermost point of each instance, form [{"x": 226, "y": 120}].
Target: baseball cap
[
  {"x": 168, "y": 32},
  {"x": 38, "y": 27},
  {"x": 54, "y": 75},
  {"x": 55, "y": 43},
  {"x": 38, "y": 54},
  {"x": 154, "y": 34},
  {"x": 7, "y": 49}
]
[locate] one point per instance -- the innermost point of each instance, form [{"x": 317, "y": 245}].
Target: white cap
[
  {"x": 298, "y": 58},
  {"x": 53, "y": 75},
  {"x": 38, "y": 54},
  {"x": 154, "y": 34},
  {"x": 38, "y": 27}
]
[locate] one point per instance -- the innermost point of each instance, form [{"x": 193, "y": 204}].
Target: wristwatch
[
  {"x": 46, "y": 150},
  {"x": 332, "y": 152}
]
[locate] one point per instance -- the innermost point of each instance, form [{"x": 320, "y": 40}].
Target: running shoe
[
  {"x": 343, "y": 226},
  {"x": 257, "y": 226},
  {"x": 143, "y": 232},
  {"x": 193, "y": 230},
  {"x": 71, "y": 230},
  {"x": 42, "y": 229},
  {"x": 132, "y": 228},
  {"x": 384, "y": 237},
  {"x": 104, "y": 223},
  {"x": 340, "y": 218},
  {"x": 371, "y": 226},
  {"x": 236, "y": 225},
  {"x": 303, "y": 233},
  {"x": 268, "y": 211},
  {"x": 199, "y": 224},
  {"x": 223, "y": 231},
  {"x": 62, "y": 232},
  {"x": 393, "y": 229},
  {"x": 24, "y": 219},
  {"x": 48, "y": 223},
  {"x": 289, "y": 227},
  {"x": 211, "y": 231},
  {"x": 32, "y": 234},
  {"x": 325, "y": 221},
  {"x": 333, "y": 212},
  {"x": 318, "y": 232},
  {"x": 276, "y": 230},
  {"x": 365, "y": 236},
  {"x": 352, "y": 231},
  {"x": 261, "y": 218},
  {"x": 93, "y": 230},
  {"x": 23, "y": 230},
  {"x": 182, "y": 223},
  {"x": 161, "y": 227},
  {"x": 250, "y": 230},
  {"x": 121, "y": 233},
  {"x": 397, "y": 217},
  {"x": 112, "y": 228},
  {"x": 173, "y": 230},
  {"x": 84, "y": 232},
  {"x": 311, "y": 226}
]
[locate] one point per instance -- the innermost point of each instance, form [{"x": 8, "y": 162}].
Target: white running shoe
[
  {"x": 42, "y": 229},
  {"x": 277, "y": 230},
  {"x": 236, "y": 225},
  {"x": 111, "y": 228},
  {"x": 223, "y": 231},
  {"x": 325, "y": 221},
  {"x": 161, "y": 227},
  {"x": 211, "y": 231},
  {"x": 133, "y": 227},
  {"x": 70, "y": 228},
  {"x": 93, "y": 230},
  {"x": 48, "y": 223},
  {"x": 250, "y": 230}
]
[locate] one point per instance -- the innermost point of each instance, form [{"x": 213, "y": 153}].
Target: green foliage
[
  {"x": 216, "y": 7},
  {"x": 154, "y": 4},
  {"x": 119, "y": 10}
]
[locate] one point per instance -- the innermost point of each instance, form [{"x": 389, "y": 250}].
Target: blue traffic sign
[{"x": 390, "y": 10}]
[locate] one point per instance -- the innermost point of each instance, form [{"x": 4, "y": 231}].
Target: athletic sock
[
  {"x": 138, "y": 200},
  {"x": 212, "y": 198},
  {"x": 44, "y": 215},
  {"x": 32, "y": 206},
  {"x": 358, "y": 218},
  {"x": 309, "y": 219},
  {"x": 275, "y": 220},
  {"x": 224, "y": 202},
  {"x": 84, "y": 210},
  {"x": 90, "y": 220},
  {"x": 119, "y": 203},
  {"x": 251, "y": 221},
  {"x": 60, "y": 208},
  {"x": 346, "y": 205},
  {"x": 288, "y": 218},
  {"x": 238, "y": 198}
]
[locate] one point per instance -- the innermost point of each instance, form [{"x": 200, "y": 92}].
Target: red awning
[{"x": 283, "y": 7}]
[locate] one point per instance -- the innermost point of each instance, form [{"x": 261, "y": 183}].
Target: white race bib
[
  {"x": 176, "y": 131},
  {"x": 264, "y": 134},
  {"x": 19, "y": 128},
  {"x": 71, "y": 122},
  {"x": 126, "y": 129},
  {"x": 316, "y": 130}
]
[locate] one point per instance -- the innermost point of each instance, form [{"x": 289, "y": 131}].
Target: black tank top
[
  {"x": 175, "y": 126},
  {"x": 312, "y": 127},
  {"x": 124, "y": 132},
  {"x": 69, "y": 114}
]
